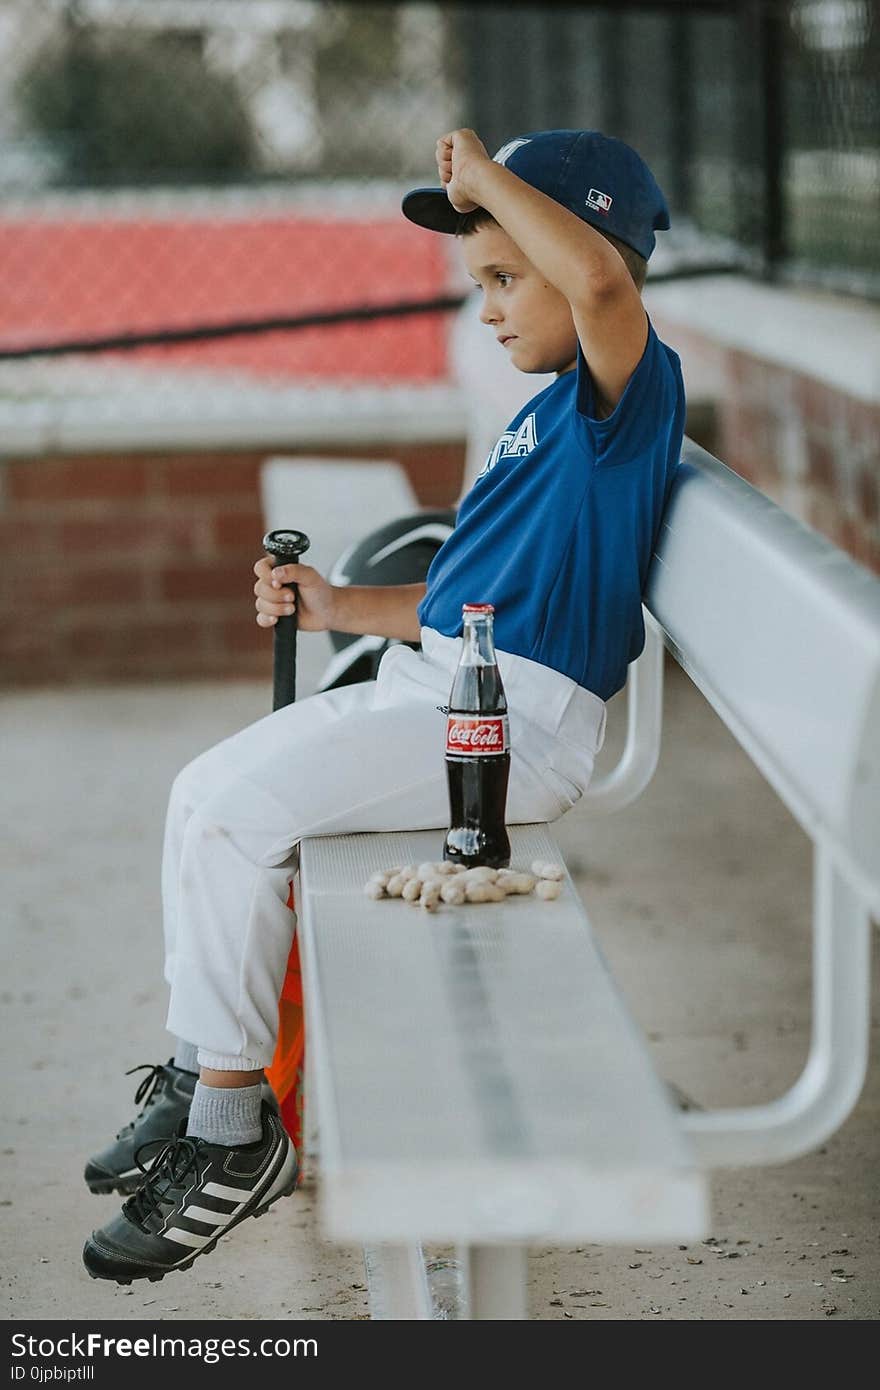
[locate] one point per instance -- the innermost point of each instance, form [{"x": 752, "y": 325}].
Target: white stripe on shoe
[
  {"x": 229, "y": 1194},
  {"x": 206, "y": 1217},
  {"x": 211, "y": 1218},
  {"x": 186, "y": 1237}
]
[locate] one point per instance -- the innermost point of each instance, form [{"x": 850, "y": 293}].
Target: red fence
[{"x": 75, "y": 277}]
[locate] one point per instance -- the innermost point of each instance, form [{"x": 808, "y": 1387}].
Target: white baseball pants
[{"x": 363, "y": 758}]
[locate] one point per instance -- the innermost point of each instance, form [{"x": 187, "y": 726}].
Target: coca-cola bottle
[{"x": 477, "y": 749}]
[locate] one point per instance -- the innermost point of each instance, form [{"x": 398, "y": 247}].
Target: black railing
[
  {"x": 328, "y": 318},
  {"x": 760, "y": 118}
]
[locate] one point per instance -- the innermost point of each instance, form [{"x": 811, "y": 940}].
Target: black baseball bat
[{"x": 285, "y": 547}]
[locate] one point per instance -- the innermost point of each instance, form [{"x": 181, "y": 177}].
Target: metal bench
[{"x": 474, "y": 1076}]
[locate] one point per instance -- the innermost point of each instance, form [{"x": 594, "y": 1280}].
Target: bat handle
[{"x": 285, "y": 547}]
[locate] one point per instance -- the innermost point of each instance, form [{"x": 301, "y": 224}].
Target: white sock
[{"x": 229, "y": 1115}]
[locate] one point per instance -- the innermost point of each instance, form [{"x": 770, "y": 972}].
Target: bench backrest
[{"x": 780, "y": 630}]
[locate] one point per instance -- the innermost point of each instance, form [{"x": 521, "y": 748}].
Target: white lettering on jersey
[{"x": 512, "y": 444}]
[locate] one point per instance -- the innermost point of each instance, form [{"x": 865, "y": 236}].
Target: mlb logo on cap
[{"x": 600, "y": 201}]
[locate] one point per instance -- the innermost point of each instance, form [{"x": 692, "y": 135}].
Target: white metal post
[
  {"x": 644, "y": 724},
  {"x": 396, "y": 1282},
  {"x": 829, "y": 1086},
  {"x": 495, "y": 1282}
]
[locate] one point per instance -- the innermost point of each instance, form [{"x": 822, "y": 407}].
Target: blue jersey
[{"x": 558, "y": 530}]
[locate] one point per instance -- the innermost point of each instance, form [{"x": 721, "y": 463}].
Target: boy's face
[{"x": 528, "y": 315}]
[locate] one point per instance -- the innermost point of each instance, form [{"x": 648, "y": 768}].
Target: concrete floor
[{"x": 699, "y": 893}]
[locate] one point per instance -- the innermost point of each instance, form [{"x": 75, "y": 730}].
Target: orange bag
[{"x": 286, "y": 1075}]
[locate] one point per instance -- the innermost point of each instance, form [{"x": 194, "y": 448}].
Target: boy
[{"x": 557, "y": 532}]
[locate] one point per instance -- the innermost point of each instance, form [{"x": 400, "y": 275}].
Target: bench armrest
[{"x": 638, "y": 761}]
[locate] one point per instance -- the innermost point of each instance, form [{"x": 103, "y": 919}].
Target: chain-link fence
[
  {"x": 235, "y": 165},
  {"x": 761, "y": 119},
  {"x": 177, "y": 165}
]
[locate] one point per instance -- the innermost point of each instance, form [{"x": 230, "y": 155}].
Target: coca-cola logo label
[{"x": 477, "y": 735}]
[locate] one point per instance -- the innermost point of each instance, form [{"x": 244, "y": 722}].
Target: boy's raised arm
[{"x": 608, "y": 313}]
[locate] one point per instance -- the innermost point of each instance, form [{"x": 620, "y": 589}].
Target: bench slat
[
  {"x": 477, "y": 1112},
  {"x": 781, "y": 631}
]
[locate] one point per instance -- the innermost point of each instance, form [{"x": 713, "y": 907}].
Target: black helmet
[{"x": 400, "y": 552}]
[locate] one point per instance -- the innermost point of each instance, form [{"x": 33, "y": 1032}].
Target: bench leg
[
  {"x": 495, "y": 1279},
  {"x": 829, "y": 1086},
  {"x": 397, "y": 1283}
]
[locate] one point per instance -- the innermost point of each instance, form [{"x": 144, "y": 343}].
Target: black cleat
[
  {"x": 167, "y": 1093},
  {"x": 192, "y": 1194}
]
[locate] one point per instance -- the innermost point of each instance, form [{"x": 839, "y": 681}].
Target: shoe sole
[{"x": 286, "y": 1188}]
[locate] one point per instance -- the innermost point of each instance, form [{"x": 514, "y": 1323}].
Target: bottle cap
[{"x": 478, "y": 608}]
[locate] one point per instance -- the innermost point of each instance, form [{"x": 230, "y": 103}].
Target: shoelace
[
  {"x": 169, "y": 1168},
  {"x": 148, "y": 1086}
]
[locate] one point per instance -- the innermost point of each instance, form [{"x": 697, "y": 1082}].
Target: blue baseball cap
[{"x": 600, "y": 179}]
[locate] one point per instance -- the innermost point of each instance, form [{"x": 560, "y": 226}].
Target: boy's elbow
[
  {"x": 601, "y": 287},
  {"x": 607, "y": 298}
]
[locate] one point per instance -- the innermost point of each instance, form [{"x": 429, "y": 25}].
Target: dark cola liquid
[{"x": 477, "y": 785}]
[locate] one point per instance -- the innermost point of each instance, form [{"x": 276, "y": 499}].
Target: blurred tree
[
  {"x": 356, "y": 87},
  {"x": 135, "y": 110},
  {"x": 387, "y": 82}
]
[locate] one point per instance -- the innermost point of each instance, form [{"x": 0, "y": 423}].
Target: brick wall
[
  {"x": 811, "y": 447},
  {"x": 138, "y": 566}
]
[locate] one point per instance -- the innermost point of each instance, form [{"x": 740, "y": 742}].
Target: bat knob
[{"x": 286, "y": 546}]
